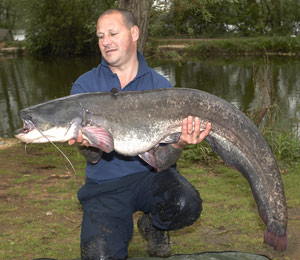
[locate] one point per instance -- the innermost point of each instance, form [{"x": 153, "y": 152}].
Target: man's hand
[
  {"x": 79, "y": 140},
  {"x": 190, "y": 132}
]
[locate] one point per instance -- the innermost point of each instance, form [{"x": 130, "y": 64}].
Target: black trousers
[{"x": 107, "y": 223}]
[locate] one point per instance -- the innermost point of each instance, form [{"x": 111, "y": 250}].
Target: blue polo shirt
[{"x": 101, "y": 79}]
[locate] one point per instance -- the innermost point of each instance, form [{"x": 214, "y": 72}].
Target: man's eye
[
  {"x": 113, "y": 34},
  {"x": 100, "y": 37}
]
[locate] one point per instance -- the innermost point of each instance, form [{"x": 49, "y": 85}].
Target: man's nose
[{"x": 106, "y": 40}]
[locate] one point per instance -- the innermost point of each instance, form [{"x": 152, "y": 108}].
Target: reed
[
  {"x": 280, "y": 129},
  {"x": 282, "y": 135}
]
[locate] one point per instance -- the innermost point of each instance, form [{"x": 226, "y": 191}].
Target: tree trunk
[
  {"x": 141, "y": 10},
  {"x": 276, "y": 15}
]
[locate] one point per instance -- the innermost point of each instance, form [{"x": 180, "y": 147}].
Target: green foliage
[
  {"x": 282, "y": 136},
  {"x": 283, "y": 140},
  {"x": 285, "y": 44},
  {"x": 67, "y": 27},
  {"x": 9, "y": 13},
  {"x": 160, "y": 24},
  {"x": 290, "y": 17},
  {"x": 279, "y": 129},
  {"x": 176, "y": 16},
  {"x": 200, "y": 152},
  {"x": 284, "y": 144},
  {"x": 274, "y": 44},
  {"x": 62, "y": 27},
  {"x": 211, "y": 18}
]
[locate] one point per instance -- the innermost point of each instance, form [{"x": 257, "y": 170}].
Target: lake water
[{"x": 26, "y": 81}]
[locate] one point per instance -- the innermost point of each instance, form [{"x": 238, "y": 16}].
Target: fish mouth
[
  {"x": 30, "y": 133},
  {"x": 27, "y": 127}
]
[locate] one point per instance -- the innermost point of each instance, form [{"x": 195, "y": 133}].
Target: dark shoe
[{"x": 158, "y": 240}]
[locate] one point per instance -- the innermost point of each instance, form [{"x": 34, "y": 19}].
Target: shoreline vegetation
[{"x": 261, "y": 45}]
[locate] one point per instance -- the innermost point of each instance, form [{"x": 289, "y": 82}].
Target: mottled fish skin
[{"x": 135, "y": 122}]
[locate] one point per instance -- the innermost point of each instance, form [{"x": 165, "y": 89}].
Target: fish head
[{"x": 47, "y": 122}]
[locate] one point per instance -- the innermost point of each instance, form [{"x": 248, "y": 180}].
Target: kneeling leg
[{"x": 177, "y": 203}]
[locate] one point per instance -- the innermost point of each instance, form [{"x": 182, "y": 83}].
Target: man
[{"x": 117, "y": 186}]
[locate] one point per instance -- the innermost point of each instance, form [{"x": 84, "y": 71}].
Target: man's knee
[
  {"x": 94, "y": 250},
  {"x": 104, "y": 237},
  {"x": 178, "y": 203},
  {"x": 101, "y": 248}
]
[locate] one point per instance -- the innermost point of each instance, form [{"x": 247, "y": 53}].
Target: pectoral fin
[
  {"x": 98, "y": 137},
  {"x": 148, "y": 157}
]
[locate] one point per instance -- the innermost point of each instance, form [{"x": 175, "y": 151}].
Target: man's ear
[{"x": 135, "y": 33}]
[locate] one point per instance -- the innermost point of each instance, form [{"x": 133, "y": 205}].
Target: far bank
[
  {"x": 172, "y": 47},
  {"x": 275, "y": 45}
]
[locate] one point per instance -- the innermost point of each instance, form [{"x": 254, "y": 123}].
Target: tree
[
  {"x": 281, "y": 16},
  {"x": 141, "y": 10},
  {"x": 181, "y": 17},
  {"x": 62, "y": 27},
  {"x": 194, "y": 15},
  {"x": 8, "y": 14}
]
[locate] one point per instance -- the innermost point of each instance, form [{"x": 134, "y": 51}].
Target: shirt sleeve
[
  {"x": 160, "y": 81},
  {"x": 167, "y": 84},
  {"x": 79, "y": 87}
]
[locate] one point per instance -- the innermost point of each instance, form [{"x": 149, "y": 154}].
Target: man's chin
[{"x": 112, "y": 61}]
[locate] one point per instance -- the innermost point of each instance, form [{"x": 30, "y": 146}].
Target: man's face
[{"x": 115, "y": 40}]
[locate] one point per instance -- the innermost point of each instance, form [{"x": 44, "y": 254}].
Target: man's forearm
[
  {"x": 166, "y": 156},
  {"x": 161, "y": 157},
  {"x": 91, "y": 154}
]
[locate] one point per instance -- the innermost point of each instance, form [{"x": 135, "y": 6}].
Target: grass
[
  {"x": 291, "y": 181},
  {"x": 40, "y": 215}
]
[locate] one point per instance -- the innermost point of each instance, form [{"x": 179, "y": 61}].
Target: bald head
[{"x": 128, "y": 18}]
